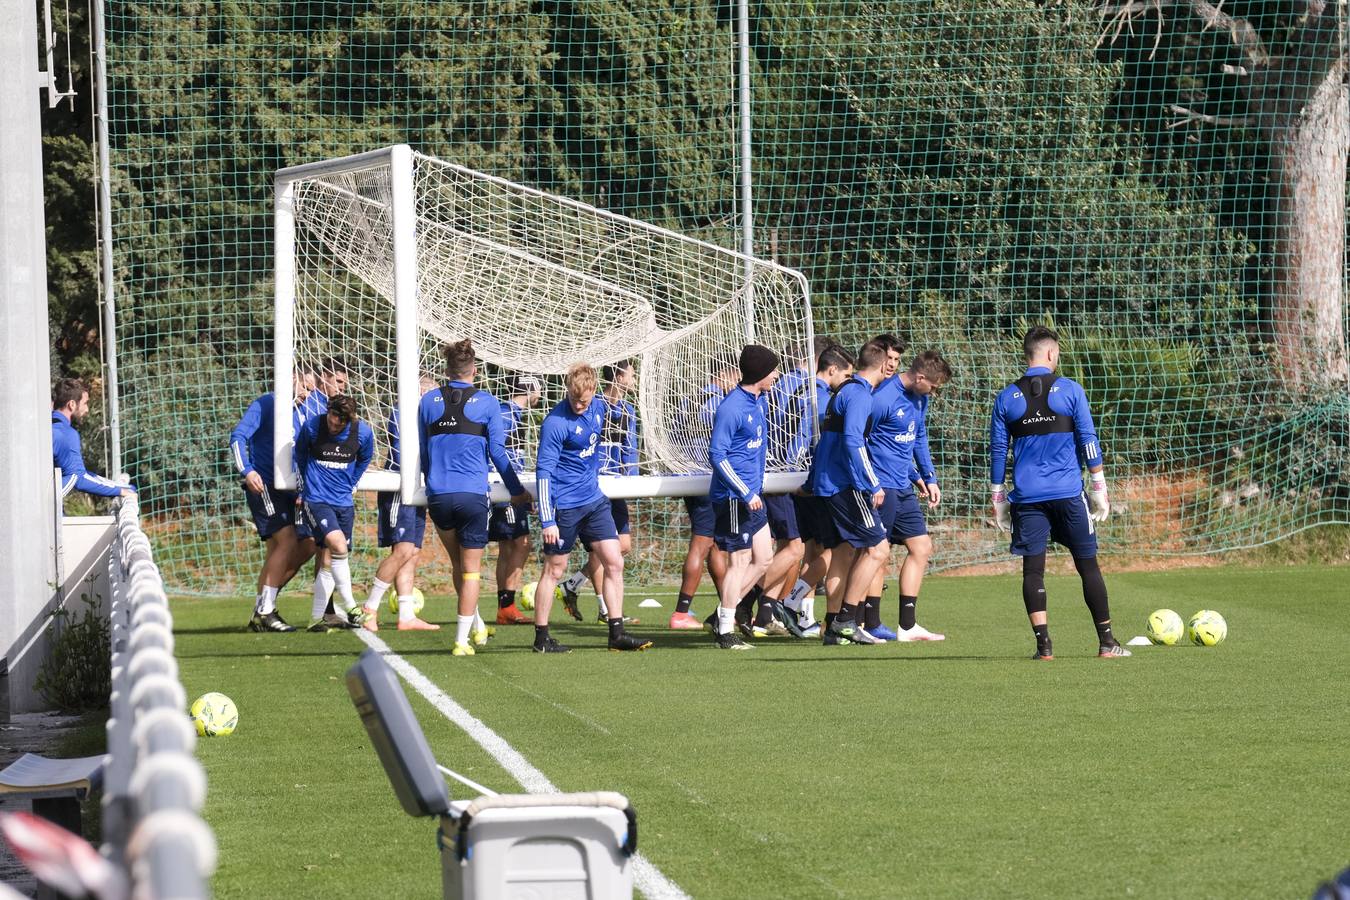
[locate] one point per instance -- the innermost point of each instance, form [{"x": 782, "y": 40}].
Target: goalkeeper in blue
[
  {"x": 736, "y": 454},
  {"x": 572, "y": 506},
  {"x": 275, "y": 517},
  {"x": 1046, "y": 421},
  {"x": 332, "y": 452}
]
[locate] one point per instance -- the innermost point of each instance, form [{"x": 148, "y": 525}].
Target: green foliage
[
  {"x": 941, "y": 169},
  {"x": 77, "y": 674}
]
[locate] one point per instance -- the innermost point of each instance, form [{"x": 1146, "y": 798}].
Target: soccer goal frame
[{"x": 398, "y": 226}]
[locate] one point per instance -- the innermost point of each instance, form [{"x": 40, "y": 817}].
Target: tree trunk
[{"x": 1308, "y": 158}]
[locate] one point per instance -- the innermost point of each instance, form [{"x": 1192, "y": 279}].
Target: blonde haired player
[{"x": 571, "y": 505}]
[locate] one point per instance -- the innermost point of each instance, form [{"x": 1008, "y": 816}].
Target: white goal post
[{"x": 383, "y": 257}]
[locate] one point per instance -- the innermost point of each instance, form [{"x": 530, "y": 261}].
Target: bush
[{"x": 77, "y": 675}]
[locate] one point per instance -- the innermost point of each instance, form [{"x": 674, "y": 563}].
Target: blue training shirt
[
  {"x": 790, "y": 421},
  {"x": 251, "y": 440},
  {"x": 841, "y": 460},
  {"x": 69, "y": 458},
  {"x": 457, "y": 461},
  {"x": 895, "y": 428},
  {"x": 738, "y": 447},
  {"x": 512, "y": 413},
  {"x": 329, "y": 481},
  {"x": 823, "y": 396},
  {"x": 619, "y": 442},
  {"x": 1045, "y": 466},
  {"x": 567, "y": 468},
  {"x": 923, "y": 457}
]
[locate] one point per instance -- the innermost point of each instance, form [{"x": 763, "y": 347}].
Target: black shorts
[
  {"x": 463, "y": 513},
  {"x": 272, "y": 510},
  {"x": 702, "y": 520},
  {"x": 736, "y": 524},
  {"x": 813, "y": 518},
  {"x": 399, "y": 522},
  {"x": 1065, "y": 521},
  {"x": 507, "y": 522},
  {"x": 590, "y": 524},
  {"x": 902, "y": 516},
  {"x": 782, "y": 517},
  {"x": 854, "y": 519}
]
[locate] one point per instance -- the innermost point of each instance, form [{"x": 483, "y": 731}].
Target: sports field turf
[{"x": 961, "y": 769}]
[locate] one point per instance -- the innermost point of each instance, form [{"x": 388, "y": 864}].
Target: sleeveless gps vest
[
  {"x": 453, "y": 420},
  {"x": 329, "y": 449},
  {"x": 1039, "y": 418}
]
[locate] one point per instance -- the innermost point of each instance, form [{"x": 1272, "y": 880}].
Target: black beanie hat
[{"x": 757, "y": 362}]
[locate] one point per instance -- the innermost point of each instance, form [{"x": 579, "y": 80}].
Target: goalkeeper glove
[
  {"x": 1002, "y": 508},
  {"x": 1099, "y": 506}
]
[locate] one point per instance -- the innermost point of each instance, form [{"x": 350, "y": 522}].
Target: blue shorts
[
  {"x": 622, "y": 522},
  {"x": 813, "y": 517},
  {"x": 399, "y": 522},
  {"x": 591, "y": 524},
  {"x": 854, "y": 519},
  {"x": 702, "y": 520},
  {"x": 902, "y": 516},
  {"x": 507, "y": 522},
  {"x": 323, "y": 519},
  {"x": 464, "y": 513},
  {"x": 736, "y": 525},
  {"x": 1064, "y": 521},
  {"x": 272, "y": 510},
  {"x": 782, "y": 517}
]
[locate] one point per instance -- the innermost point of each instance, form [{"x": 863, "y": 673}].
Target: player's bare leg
[
  {"x": 610, "y": 555},
  {"x": 511, "y": 556},
  {"x": 919, "y": 550},
  {"x": 745, "y": 567},
  {"x": 778, "y": 575},
  {"x": 553, "y": 570},
  {"x": 279, "y": 566}
]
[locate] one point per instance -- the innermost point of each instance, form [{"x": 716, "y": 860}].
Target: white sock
[
  {"x": 377, "y": 589},
  {"x": 407, "y": 610},
  {"x": 726, "y": 619},
  {"x": 809, "y": 608},
  {"x": 267, "y": 600},
  {"x": 342, "y": 578},
  {"x": 478, "y": 622},
  {"x": 323, "y": 589},
  {"x": 604, "y": 610},
  {"x": 794, "y": 599},
  {"x": 463, "y": 625},
  {"x": 574, "y": 582}
]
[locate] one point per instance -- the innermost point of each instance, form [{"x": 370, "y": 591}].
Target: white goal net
[{"x": 385, "y": 257}]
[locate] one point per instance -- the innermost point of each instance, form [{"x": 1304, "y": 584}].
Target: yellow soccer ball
[
  {"x": 418, "y": 602},
  {"x": 214, "y": 714},
  {"x": 525, "y": 596},
  {"x": 1207, "y": 628},
  {"x": 1165, "y": 627}
]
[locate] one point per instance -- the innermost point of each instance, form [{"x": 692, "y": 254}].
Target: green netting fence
[{"x": 1163, "y": 182}]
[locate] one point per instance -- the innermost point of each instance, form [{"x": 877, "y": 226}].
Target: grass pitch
[{"x": 957, "y": 769}]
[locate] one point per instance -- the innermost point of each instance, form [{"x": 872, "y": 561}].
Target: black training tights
[
  {"x": 1094, "y": 588},
  {"x": 1033, "y": 583}
]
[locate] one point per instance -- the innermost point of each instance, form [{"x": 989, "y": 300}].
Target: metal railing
[{"x": 154, "y": 787}]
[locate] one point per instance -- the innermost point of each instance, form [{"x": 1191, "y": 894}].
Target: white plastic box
[{"x": 538, "y": 847}]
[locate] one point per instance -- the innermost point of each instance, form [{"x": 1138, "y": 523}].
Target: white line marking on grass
[{"x": 647, "y": 878}]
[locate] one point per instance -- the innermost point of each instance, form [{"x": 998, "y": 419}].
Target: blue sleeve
[
  {"x": 242, "y": 434},
  {"x": 857, "y": 407},
  {"x": 707, "y": 413},
  {"x": 998, "y": 444},
  {"x": 302, "y": 442},
  {"x": 800, "y": 444},
  {"x": 723, "y": 434},
  {"x": 67, "y": 455},
  {"x": 550, "y": 446},
  {"x": 1089, "y": 450},
  {"x": 923, "y": 458},
  {"x": 365, "y": 449},
  {"x": 496, "y": 446}
]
